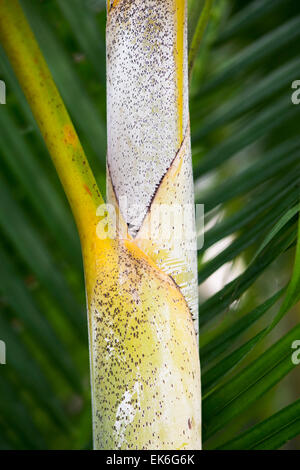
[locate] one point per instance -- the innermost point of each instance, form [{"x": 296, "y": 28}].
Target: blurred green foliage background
[{"x": 246, "y": 149}]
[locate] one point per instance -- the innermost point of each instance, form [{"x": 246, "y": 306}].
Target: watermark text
[
  {"x": 2, "y": 352},
  {"x": 2, "y": 92},
  {"x": 296, "y": 353},
  {"x": 296, "y": 94}
]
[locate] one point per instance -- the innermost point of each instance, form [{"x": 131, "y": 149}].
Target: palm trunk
[
  {"x": 151, "y": 399},
  {"x": 149, "y": 155}
]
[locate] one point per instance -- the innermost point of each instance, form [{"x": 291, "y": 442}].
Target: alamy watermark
[
  {"x": 169, "y": 224},
  {"x": 2, "y": 352},
  {"x": 2, "y": 92},
  {"x": 296, "y": 94},
  {"x": 296, "y": 353}
]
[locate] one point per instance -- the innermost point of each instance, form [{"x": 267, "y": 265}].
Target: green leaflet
[
  {"x": 265, "y": 46},
  {"x": 85, "y": 29},
  {"x": 265, "y": 199},
  {"x": 271, "y": 433},
  {"x": 255, "y": 10},
  {"x": 23, "y": 305},
  {"x": 251, "y": 383},
  {"x": 279, "y": 225},
  {"x": 266, "y": 121},
  {"x": 225, "y": 338},
  {"x": 32, "y": 249},
  {"x": 253, "y": 96},
  {"x": 84, "y": 112},
  {"x": 31, "y": 375}
]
